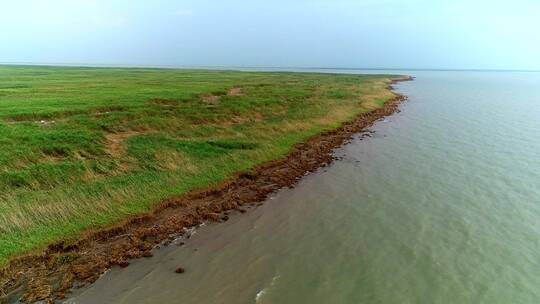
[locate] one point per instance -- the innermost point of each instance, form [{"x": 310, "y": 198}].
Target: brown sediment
[{"x": 63, "y": 265}]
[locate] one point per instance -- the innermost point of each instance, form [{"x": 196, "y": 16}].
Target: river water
[{"x": 441, "y": 205}]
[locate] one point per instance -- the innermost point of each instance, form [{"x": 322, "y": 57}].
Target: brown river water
[{"x": 440, "y": 205}]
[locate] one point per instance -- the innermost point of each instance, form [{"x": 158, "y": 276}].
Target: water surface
[{"x": 441, "y": 205}]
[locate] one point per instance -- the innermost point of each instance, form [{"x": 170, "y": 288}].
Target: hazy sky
[{"x": 318, "y": 33}]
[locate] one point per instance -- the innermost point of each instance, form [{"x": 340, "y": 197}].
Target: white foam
[{"x": 261, "y": 293}]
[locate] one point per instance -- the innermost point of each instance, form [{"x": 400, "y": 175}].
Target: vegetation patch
[{"x": 117, "y": 142}]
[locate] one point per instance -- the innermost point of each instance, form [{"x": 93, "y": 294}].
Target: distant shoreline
[{"x": 257, "y": 68}]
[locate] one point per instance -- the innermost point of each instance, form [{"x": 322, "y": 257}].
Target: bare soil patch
[
  {"x": 214, "y": 98},
  {"x": 115, "y": 145},
  {"x": 211, "y": 98},
  {"x": 235, "y": 91}
]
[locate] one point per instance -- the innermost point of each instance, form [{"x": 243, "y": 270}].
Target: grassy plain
[{"x": 84, "y": 147}]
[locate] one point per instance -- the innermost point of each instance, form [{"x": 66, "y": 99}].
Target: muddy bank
[{"x": 63, "y": 265}]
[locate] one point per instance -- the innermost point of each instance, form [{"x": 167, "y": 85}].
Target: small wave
[
  {"x": 259, "y": 295},
  {"x": 263, "y": 291},
  {"x": 191, "y": 231}
]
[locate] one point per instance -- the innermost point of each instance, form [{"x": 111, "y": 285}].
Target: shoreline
[{"x": 52, "y": 274}]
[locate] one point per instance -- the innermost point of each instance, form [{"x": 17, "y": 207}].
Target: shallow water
[{"x": 441, "y": 205}]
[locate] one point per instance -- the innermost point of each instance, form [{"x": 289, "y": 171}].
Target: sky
[{"x": 432, "y": 34}]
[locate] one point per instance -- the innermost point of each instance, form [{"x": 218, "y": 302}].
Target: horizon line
[{"x": 172, "y": 66}]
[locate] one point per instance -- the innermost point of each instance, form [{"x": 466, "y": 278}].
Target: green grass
[{"x": 84, "y": 147}]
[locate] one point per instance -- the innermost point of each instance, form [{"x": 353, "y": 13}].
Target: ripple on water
[{"x": 441, "y": 206}]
